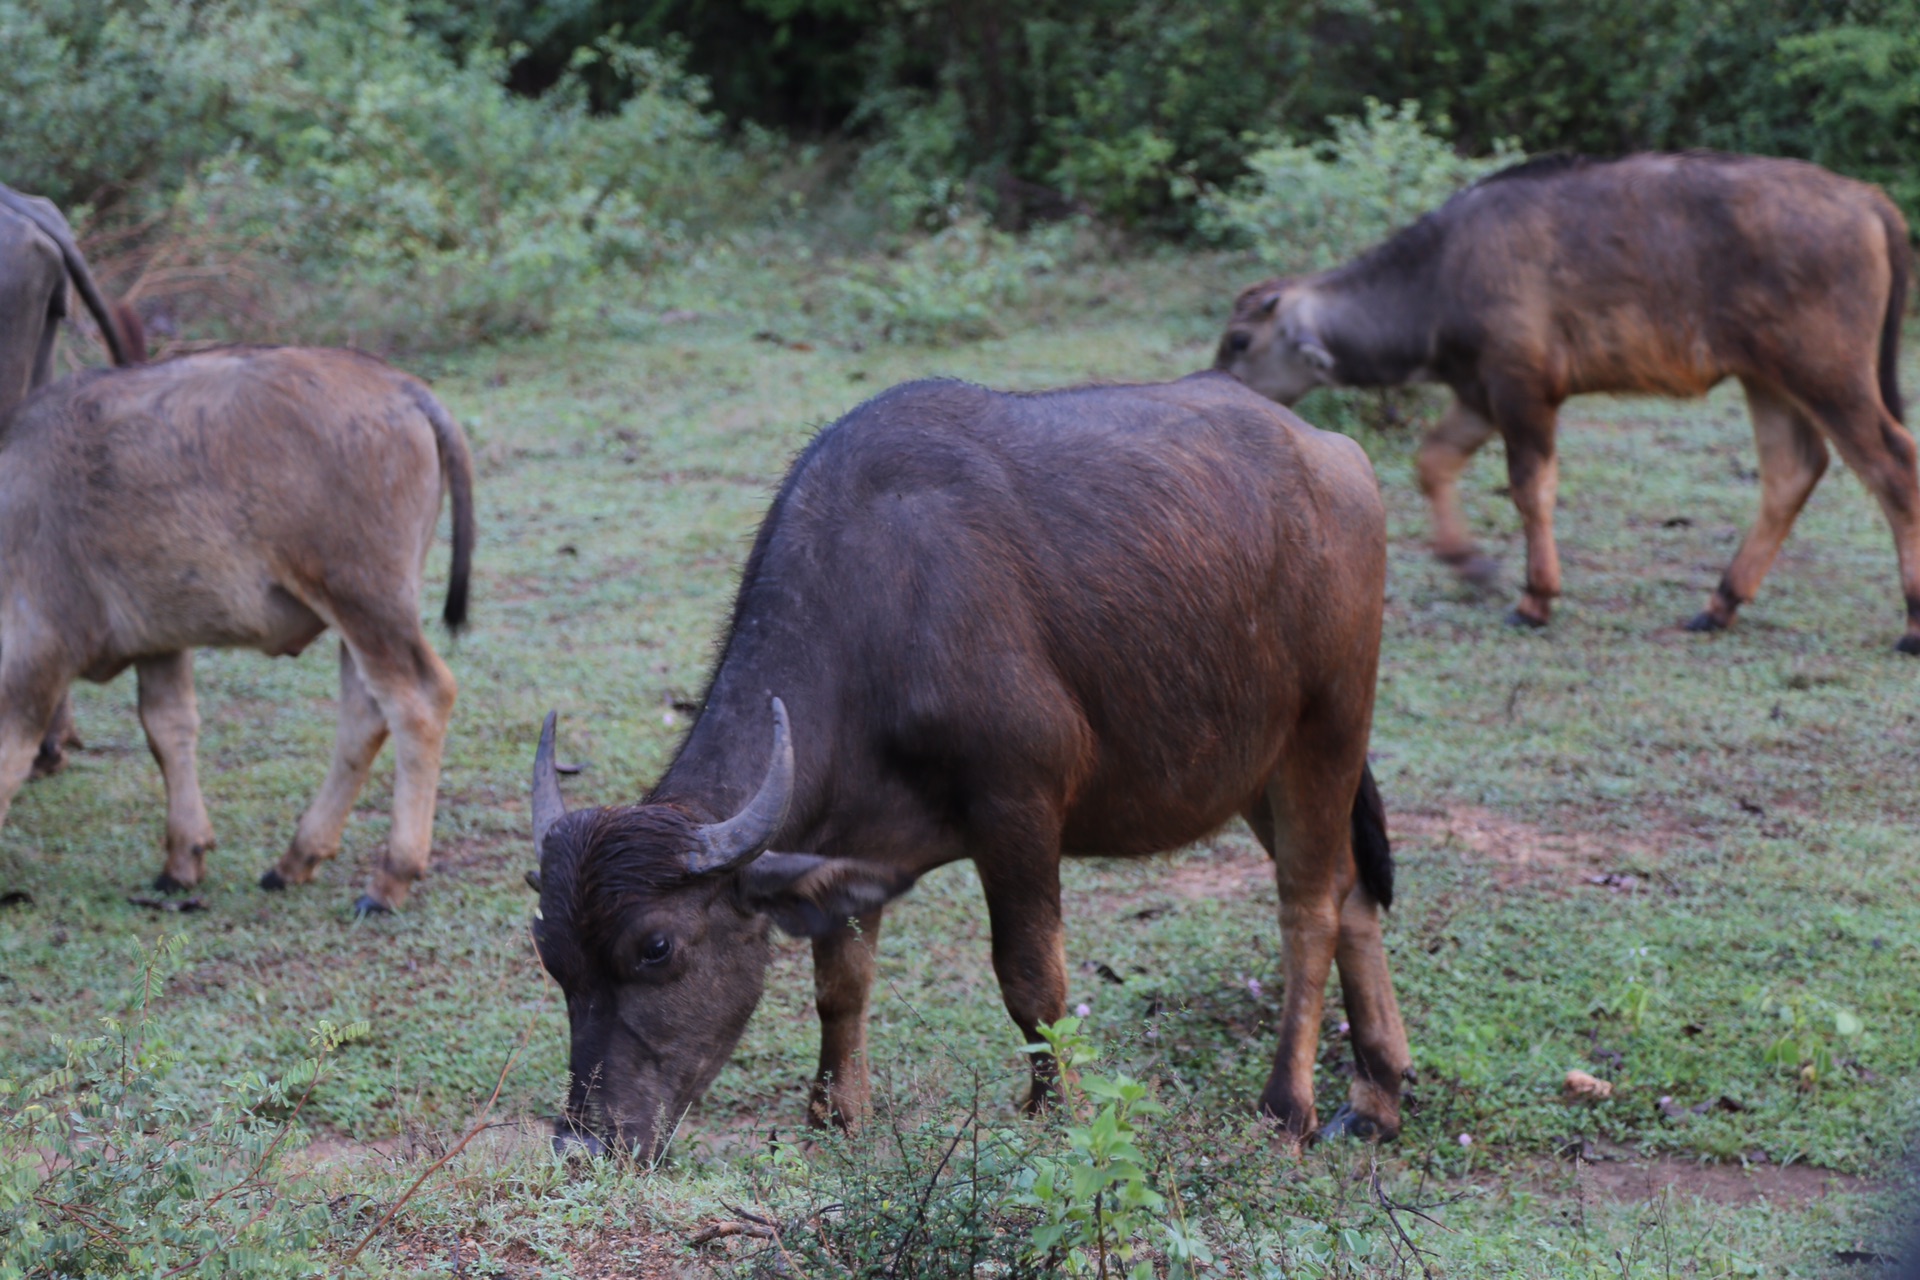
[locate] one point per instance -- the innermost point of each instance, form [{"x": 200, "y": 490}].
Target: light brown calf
[{"x": 240, "y": 498}]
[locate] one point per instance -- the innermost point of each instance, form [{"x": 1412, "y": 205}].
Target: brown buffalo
[
  {"x": 37, "y": 259},
  {"x": 1654, "y": 273},
  {"x": 1003, "y": 628},
  {"x": 243, "y": 497}
]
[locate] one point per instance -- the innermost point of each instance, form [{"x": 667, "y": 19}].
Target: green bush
[
  {"x": 1308, "y": 206},
  {"x": 109, "y": 1167},
  {"x": 948, "y": 287}
]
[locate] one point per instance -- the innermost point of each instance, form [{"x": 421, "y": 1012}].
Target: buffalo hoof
[
  {"x": 1705, "y": 621},
  {"x": 368, "y": 905},
  {"x": 1478, "y": 571},
  {"x": 48, "y": 761},
  {"x": 1348, "y": 1123},
  {"x": 272, "y": 881},
  {"x": 1515, "y": 618},
  {"x": 165, "y": 883},
  {"x": 1907, "y": 644},
  {"x": 567, "y": 1143}
]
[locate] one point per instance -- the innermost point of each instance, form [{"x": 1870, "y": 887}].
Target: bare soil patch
[
  {"x": 1630, "y": 1178},
  {"x": 1518, "y": 852}
]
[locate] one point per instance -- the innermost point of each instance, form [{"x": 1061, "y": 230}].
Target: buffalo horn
[
  {"x": 548, "y": 805},
  {"x": 745, "y": 836}
]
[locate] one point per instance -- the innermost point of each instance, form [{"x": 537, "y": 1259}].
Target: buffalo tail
[
  {"x": 1371, "y": 852},
  {"x": 456, "y": 465},
  {"x": 1899, "y": 259}
]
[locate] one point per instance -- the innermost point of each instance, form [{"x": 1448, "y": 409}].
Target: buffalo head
[
  {"x": 655, "y": 924},
  {"x": 1270, "y": 343}
]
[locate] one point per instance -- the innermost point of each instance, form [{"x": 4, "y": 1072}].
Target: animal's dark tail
[
  {"x": 1371, "y": 852},
  {"x": 456, "y": 464},
  {"x": 1900, "y": 259},
  {"x": 126, "y": 343}
]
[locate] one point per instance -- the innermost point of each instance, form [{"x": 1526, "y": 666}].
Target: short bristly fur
[
  {"x": 1004, "y": 628},
  {"x": 1652, "y": 273},
  {"x": 249, "y": 497}
]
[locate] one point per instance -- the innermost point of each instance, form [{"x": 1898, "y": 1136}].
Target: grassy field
[{"x": 1685, "y": 864}]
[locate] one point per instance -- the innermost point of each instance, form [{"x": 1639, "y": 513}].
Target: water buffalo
[
  {"x": 245, "y": 496},
  {"x": 1005, "y": 628},
  {"x": 37, "y": 258},
  {"x": 1652, "y": 273}
]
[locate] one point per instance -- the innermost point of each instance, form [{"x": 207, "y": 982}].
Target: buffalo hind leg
[
  {"x": 60, "y": 735},
  {"x": 1325, "y": 915},
  {"x": 843, "y": 963},
  {"x": 357, "y": 738},
  {"x": 32, "y": 685},
  {"x": 1881, "y": 452},
  {"x": 1029, "y": 947},
  {"x": 415, "y": 692},
  {"x": 1533, "y": 471},
  {"x": 1444, "y": 454},
  {"x": 171, "y": 716},
  {"x": 1793, "y": 457}
]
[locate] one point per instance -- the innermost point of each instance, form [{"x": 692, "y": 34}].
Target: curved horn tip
[{"x": 549, "y": 806}]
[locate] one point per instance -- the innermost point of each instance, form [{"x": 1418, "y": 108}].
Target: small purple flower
[
  {"x": 1466, "y": 1139},
  {"x": 1082, "y": 1010},
  {"x": 1253, "y": 985}
]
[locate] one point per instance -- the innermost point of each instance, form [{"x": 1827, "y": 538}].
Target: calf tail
[
  {"x": 1900, "y": 259},
  {"x": 127, "y": 344},
  {"x": 456, "y": 466},
  {"x": 1371, "y": 852}
]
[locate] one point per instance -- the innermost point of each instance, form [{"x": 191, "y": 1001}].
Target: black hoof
[
  {"x": 1704, "y": 621},
  {"x": 47, "y": 763},
  {"x": 1348, "y": 1123},
  {"x": 167, "y": 884},
  {"x": 1907, "y": 644},
  {"x": 272, "y": 881},
  {"x": 569, "y": 1144},
  {"x": 368, "y": 905},
  {"x": 1515, "y": 618},
  {"x": 1482, "y": 572}
]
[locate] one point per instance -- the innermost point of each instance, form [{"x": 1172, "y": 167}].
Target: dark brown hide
[
  {"x": 1655, "y": 273},
  {"x": 245, "y": 497},
  {"x": 1004, "y": 628}
]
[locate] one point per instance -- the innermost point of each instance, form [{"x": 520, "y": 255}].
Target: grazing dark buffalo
[
  {"x": 243, "y": 497},
  {"x": 37, "y": 258},
  {"x": 1004, "y": 628},
  {"x": 1654, "y": 273}
]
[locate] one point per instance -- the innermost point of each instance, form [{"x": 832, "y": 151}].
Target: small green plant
[
  {"x": 1809, "y": 1030},
  {"x": 110, "y": 1167},
  {"x": 1641, "y": 985},
  {"x": 1096, "y": 1199},
  {"x": 948, "y": 287}
]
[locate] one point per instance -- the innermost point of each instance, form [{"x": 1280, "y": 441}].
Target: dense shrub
[{"x": 395, "y": 194}]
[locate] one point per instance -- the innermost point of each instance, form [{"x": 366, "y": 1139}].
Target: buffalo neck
[{"x": 1376, "y": 314}]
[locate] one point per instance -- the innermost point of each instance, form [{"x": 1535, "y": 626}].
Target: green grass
[{"x": 1757, "y": 786}]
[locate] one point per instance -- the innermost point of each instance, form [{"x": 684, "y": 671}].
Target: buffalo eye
[
  {"x": 1238, "y": 342},
  {"x": 653, "y": 951}
]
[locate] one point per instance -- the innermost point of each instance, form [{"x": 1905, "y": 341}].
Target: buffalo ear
[{"x": 808, "y": 895}]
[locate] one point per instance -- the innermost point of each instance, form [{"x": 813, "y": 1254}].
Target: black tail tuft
[
  {"x": 1899, "y": 258},
  {"x": 1372, "y": 854},
  {"x": 456, "y": 463}
]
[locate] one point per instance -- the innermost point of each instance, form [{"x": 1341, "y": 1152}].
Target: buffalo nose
[{"x": 568, "y": 1141}]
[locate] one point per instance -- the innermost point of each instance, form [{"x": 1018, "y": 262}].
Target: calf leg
[
  {"x": 1381, "y": 1059},
  {"x": 1533, "y": 470},
  {"x": 1881, "y": 452},
  {"x": 171, "y": 717},
  {"x": 1444, "y": 454},
  {"x": 1029, "y": 947},
  {"x": 415, "y": 692},
  {"x": 1792, "y": 459},
  {"x": 32, "y": 684},
  {"x": 357, "y": 738},
  {"x": 843, "y": 963}
]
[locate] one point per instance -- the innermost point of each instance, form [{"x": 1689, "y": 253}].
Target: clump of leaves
[
  {"x": 1809, "y": 1030},
  {"x": 949, "y": 287},
  {"x": 109, "y": 1166}
]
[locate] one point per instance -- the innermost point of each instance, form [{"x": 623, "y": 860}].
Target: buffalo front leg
[
  {"x": 357, "y": 738},
  {"x": 843, "y": 963},
  {"x": 1029, "y": 949},
  {"x": 1444, "y": 454},
  {"x": 32, "y": 684},
  {"x": 170, "y": 714},
  {"x": 415, "y": 692},
  {"x": 1793, "y": 457}
]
